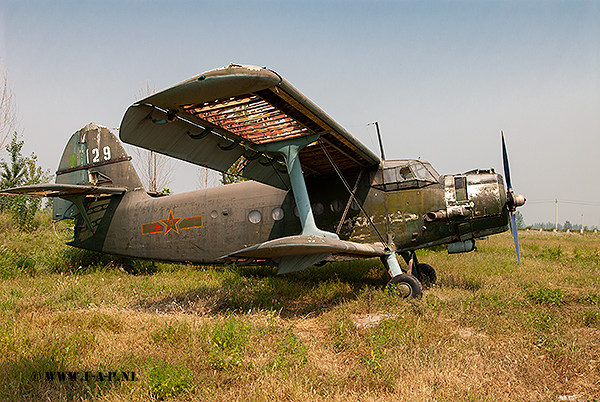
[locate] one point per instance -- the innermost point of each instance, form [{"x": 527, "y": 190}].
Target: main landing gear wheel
[
  {"x": 426, "y": 274},
  {"x": 405, "y": 286}
]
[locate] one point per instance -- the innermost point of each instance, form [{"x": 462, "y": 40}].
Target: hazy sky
[{"x": 442, "y": 78}]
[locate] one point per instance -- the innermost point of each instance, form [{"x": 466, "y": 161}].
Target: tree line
[
  {"x": 561, "y": 226},
  {"x": 549, "y": 225}
]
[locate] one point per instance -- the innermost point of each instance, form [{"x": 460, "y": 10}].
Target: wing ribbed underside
[{"x": 249, "y": 117}]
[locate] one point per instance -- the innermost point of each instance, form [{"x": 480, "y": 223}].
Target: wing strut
[
  {"x": 349, "y": 203},
  {"x": 389, "y": 259},
  {"x": 352, "y": 196},
  {"x": 290, "y": 150},
  {"x": 78, "y": 201}
]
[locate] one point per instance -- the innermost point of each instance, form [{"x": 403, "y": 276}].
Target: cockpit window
[
  {"x": 404, "y": 174},
  {"x": 389, "y": 175},
  {"x": 422, "y": 172}
]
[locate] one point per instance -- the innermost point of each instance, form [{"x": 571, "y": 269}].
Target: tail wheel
[
  {"x": 405, "y": 286},
  {"x": 426, "y": 274}
]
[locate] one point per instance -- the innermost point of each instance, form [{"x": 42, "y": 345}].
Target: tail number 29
[{"x": 96, "y": 154}]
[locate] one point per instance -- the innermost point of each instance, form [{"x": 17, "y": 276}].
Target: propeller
[{"x": 512, "y": 200}]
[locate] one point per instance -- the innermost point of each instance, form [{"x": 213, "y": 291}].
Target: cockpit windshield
[{"x": 407, "y": 173}]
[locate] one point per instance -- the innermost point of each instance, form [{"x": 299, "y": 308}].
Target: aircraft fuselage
[{"x": 203, "y": 225}]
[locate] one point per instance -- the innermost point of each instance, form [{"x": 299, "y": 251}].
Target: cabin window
[
  {"x": 318, "y": 208},
  {"x": 460, "y": 186},
  {"x": 336, "y": 206},
  {"x": 254, "y": 216},
  {"x": 214, "y": 214},
  {"x": 277, "y": 214}
]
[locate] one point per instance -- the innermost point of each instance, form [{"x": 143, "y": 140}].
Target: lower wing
[{"x": 295, "y": 253}]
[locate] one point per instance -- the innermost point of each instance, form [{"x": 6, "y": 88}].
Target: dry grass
[{"x": 488, "y": 331}]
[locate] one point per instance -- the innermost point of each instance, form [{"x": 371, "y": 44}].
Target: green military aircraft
[{"x": 315, "y": 193}]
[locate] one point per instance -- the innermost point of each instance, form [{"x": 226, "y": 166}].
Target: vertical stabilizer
[{"x": 94, "y": 156}]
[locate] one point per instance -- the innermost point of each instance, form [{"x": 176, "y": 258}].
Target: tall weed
[{"x": 228, "y": 340}]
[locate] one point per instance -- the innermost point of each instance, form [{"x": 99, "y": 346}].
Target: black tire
[
  {"x": 406, "y": 286},
  {"x": 426, "y": 274}
]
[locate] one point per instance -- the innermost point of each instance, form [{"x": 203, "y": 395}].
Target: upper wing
[
  {"x": 63, "y": 190},
  {"x": 220, "y": 117}
]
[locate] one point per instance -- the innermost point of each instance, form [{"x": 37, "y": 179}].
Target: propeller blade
[
  {"x": 515, "y": 235},
  {"x": 510, "y": 198},
  {"x": 505, "y": 161}
]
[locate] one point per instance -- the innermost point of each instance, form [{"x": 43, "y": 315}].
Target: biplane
[{"x": 314, "y": 193}]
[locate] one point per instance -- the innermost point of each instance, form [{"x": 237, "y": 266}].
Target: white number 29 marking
[{"x": 96, "y": 154}]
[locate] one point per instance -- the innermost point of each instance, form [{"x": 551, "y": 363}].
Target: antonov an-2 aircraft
[{"x": 315, "y": 193}]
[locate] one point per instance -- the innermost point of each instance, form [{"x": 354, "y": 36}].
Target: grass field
[{"x": 487, "y": 331}]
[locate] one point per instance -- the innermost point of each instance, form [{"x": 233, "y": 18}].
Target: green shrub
[
  {"x": 168, "y": 381},
  {"x": 552, "y": 297}
]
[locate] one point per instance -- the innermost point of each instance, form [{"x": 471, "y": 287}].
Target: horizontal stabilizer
[
  {"x": 295, "y": 253},
  {"x": 62, "y": 190}
]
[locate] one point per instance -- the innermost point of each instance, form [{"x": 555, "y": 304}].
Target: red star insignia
[{"x": 171, "y": 223}]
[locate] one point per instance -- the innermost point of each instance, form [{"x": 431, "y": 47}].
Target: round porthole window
[
  {"x": 277, "y": 214},
  {"x": 214, "y": 214},
  {"x": 336, "y": 206},
  {"x": 254, "y": 216},
  {"x": 318, "y": 208}
]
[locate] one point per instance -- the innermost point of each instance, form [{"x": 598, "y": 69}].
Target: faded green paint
[{"x": 120, "y": 223}]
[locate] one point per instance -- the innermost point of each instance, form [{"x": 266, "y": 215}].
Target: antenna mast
[{"x": 379, "y": 138}]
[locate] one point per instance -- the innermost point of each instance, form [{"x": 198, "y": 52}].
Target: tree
[
  {"x": 568, "y": 225},
  {"x": 8, "y": 111},
  {"x": 155, "y": 170},
  {"x": 520, "y": 221},
  {"x": 233, "y": 174},
  {"x": 11, "y": 175},
  {"x": 206, "y": 178},
  {"x": 19, "y": 171}
]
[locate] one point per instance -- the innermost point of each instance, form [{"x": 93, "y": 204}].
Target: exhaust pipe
[{"x": 435, "y": 216}]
